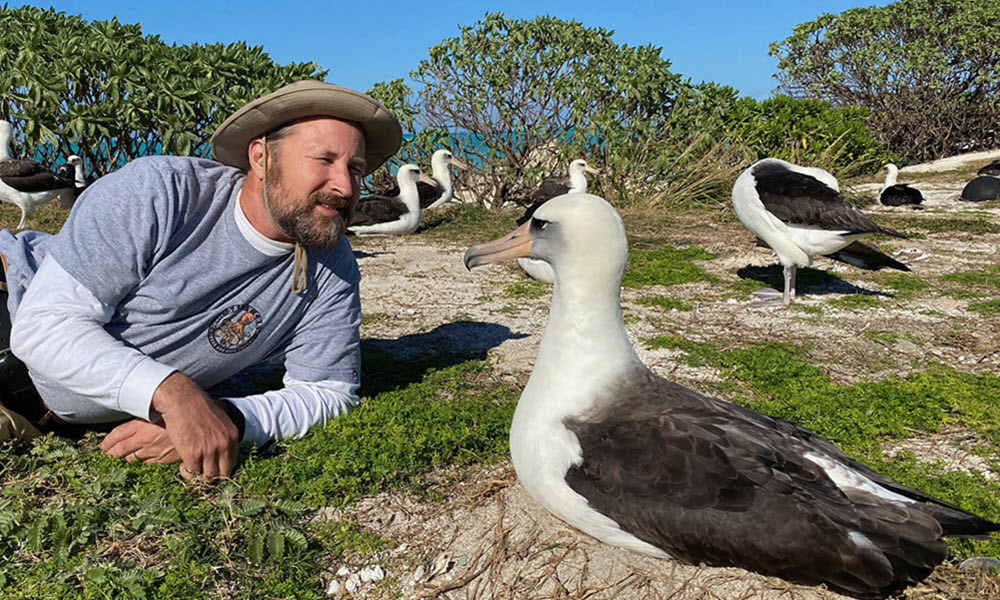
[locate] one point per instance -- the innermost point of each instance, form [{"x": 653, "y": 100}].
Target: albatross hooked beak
[
  {"x": 461, "y": 165},
  {"x": 514, "y": 245}
]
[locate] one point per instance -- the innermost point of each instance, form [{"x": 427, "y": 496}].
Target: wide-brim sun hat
[{"x": 301, "y": 100}]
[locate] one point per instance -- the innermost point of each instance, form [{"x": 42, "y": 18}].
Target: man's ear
[{"x": 257, "y": 152}]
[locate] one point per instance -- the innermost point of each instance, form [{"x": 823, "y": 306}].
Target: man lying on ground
[{"x": 175, "y": 273}]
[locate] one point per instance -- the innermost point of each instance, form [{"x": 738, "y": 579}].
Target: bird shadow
[
  {"x": 363, "y": 254},
  {"x": 389, "y": 364},
  {"x": 807, "y": 281}
]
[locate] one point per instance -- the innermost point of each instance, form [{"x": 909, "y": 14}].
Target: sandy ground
[{"x": 488, "y": 539}]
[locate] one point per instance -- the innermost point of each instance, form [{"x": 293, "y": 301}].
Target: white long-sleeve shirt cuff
[
  {"x": 294, "y": 409},
  {"x": 136, "y": 393}
]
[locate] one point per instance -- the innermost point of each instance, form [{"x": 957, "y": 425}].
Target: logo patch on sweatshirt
[{"x": 235, "y": 328}]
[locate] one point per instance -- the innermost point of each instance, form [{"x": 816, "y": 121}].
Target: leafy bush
[
  {"x": 809, "y": 132},
  {"x": 531, "y": 95},
  {"x": 104, "y": 91},
  {"x": 929, "y": 71}
]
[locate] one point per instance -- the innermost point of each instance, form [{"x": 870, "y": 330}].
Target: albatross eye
[{"x": 538, "y": 224}]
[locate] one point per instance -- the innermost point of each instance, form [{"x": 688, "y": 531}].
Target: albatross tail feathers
[{"x": 864, "y": 256}]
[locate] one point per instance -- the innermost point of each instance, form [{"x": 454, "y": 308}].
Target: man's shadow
[
  {"x": 390, "y": 364},
  {"x": 814, "y": 282}
]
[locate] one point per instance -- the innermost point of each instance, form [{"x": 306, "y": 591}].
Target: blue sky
[{"x": 364, "y": 42}]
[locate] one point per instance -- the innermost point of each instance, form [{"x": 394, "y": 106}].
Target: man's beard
[{"x": 300, "y": 221}]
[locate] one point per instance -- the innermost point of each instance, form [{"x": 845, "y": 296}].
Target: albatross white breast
[
  {"x": 799, "y": 213},
  {"x": 641, "y": 462},
  {"x": 550, "y": 188}
]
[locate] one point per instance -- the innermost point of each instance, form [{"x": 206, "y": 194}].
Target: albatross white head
[
  {"x": 578, "y": 170},
  {"x": 579, "y": 235},
  {"x": 407, "y": 177},
  {"x": 891, "y": 175},
  {"x": 440, "y": 162},
  {"x": 6, "y": 134},
  {"x": 583, "y": 239}
]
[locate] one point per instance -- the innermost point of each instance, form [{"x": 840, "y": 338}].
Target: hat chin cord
[{"x": 300, "y": 262}]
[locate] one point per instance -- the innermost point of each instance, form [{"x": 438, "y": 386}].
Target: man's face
[{"x": 314, "y": 179}]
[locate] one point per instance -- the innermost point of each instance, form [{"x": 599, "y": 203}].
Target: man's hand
[
  {"x": 140, "y": 440},
  {"x": 198, "y": 428}
]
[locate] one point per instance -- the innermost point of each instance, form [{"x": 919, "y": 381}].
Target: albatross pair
[
  {"x": 396, "y": 210},
  {"x": 799, "y": 213},
  {"x": 645, "y": 464}
]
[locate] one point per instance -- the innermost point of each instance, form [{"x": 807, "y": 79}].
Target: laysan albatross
[
  {"x": 799, "y": 213},
  {"x": 550, "y": 188},
  {"x": 643, "y": 463},
  {"x": 897, "y": 194},
  {"x": 73, "y": 169},
  {"x": 27, "y": 183},
  {"x": 991, "y": 169},
  {"x": 391, "y": 215},
  {"x": 439, "y": 189}
]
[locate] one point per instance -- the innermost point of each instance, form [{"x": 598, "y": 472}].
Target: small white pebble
[
  {"x": 343, "y": 572},
  {"x": 333, "y": 589},
  {"x": 353, "y": 583},
  {"x": 377, "y": 574},
  {"x": 419, "y": 574}
]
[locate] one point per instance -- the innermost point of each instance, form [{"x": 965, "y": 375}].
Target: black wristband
[{"x": 236, "y": 416}]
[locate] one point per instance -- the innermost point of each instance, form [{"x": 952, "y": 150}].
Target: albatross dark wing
[
  {"x": 711, "y": 482},
  {"x": 900, "y": 195},
  {"x": 549, "y": 189},
  {"x": 378, "y": 209},
  {"x": 429, "y": 193},
  {"x": 800, "y": 199},
  {"x": 30, "y": 176}
]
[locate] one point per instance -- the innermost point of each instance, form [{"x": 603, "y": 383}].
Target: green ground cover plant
[
  {"x": 941, "y": 225},
  {"x": 77, "y": 524},
  {"x": 666, "y": 266},
  {"x": 987, "y": 308},
  {"x": 666, "y": 303},
  {"x": 904, "y": 285}
]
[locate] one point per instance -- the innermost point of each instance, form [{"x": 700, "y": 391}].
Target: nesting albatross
[
  {"x": 799, "y": 213},
  {"x": 26, "y": 183},
  {"x": 551, "y": 188},
  {"x": 897, "y": 194},
  {"x": 645, "y": 464},
  {"x": 391, "y": 215}
]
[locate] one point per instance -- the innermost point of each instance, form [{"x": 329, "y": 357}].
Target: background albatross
[
  {"x": 645, "y": 464},
  {"x": 897, "y": 194},
  {"x": 553, "y": 187},
  {"x": 799, "y": 213},
  {"x": 391, "y": 215},
  {"x": 26, "y": 183},
  {"x": 437, "y": 190}
]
